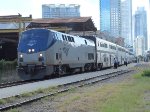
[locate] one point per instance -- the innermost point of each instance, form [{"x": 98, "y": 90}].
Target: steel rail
[{"x": 16, "y": 83}]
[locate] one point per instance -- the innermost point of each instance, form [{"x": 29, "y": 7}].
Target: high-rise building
[
  {"x": 110, "y": 16},
  {"x": 105, "y": 15},
  {"x": 141, "y": 25},
  {"x": 60, "y": 11},
  {"x": 139, "y": 46},
  {"x": 126, "y": 25}
]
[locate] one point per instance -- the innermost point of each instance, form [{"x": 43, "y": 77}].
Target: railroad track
[
  {"x": 67, "y": 87},
  {"x": 16, "y": 83},
  {"x": 9, "y": 84}
]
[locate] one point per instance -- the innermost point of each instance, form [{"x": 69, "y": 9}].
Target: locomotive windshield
[{"x": 36, "y": 39}]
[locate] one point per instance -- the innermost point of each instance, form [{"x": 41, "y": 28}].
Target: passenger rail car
[
  {"x": 43, "y": 52},
  {"x": 107, "y": 51}
]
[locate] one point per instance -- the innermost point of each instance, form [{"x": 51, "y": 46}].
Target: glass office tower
[
  {"x": 105, "y": 15},
  {"x": 60, "y": 11},
  {"x": 141, "y": 25},
  {"x": 110, "y": 17},
  {"x": 126, "y": 19}
]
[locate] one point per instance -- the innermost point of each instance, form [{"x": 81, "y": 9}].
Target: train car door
[
  {"x": 59, "y": 58},
  {"x": 121, "y": 60},
  {"x": 110, "y": 59}
]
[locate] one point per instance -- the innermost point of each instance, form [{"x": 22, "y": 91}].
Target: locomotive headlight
[
  {"x": 41, "y": 58},
  {"x": 21, "y": 56},
  {"x": 33, "y": 50},
  {"x": 41, "y": 54},
  {"x": 29, "y": 50}
]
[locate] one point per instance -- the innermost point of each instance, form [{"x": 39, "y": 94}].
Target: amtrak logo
[
  {"x": 31, "y": 42},
  {"x": 66, "y": 50}
]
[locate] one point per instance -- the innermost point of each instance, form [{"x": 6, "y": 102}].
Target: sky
[{"x": 34, "y": 7}]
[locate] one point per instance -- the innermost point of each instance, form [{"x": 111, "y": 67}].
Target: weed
[
  {"x": 2, "y": 101},
  {"x": 26, "y": 94},
  {"x": 146, "y": 73},
  {"x": 14, "y": 110}
]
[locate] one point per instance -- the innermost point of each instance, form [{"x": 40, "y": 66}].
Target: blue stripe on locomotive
[{"x": 37, "y": 39}]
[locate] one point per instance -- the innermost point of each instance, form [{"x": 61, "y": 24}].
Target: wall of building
[
  {"x": 139, "y": 46},
  {"x": 141, "y": 25},
  {"x": 110, "y": 17},
  {"x": 60, "y": 11},
  {"x": 126, "y": 18}
]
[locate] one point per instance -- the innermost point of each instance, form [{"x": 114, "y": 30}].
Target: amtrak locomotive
[{"x": 43, "y": 52}]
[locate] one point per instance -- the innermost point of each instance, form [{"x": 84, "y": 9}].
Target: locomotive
[{"x": 44, "y": 52}]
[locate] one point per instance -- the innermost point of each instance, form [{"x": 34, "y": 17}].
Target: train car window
[
  {"x": 85, "y": 42},
  {"x": 63, "y": 37},
  {"x": 119, "y": 49},
  {"x": 73, "y": 39},
  {"x": 112, "y": 47},
  {"x": 105, "y": 60},
  {"x": 105, "y": 45},
  {"x": 66, "y": 38},
  {"x": 101, "y": 44},
  {"x": 60, "y": 56},
  {"x": 69, "y": 38}
]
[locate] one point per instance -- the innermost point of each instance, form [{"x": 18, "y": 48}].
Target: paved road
[{"x": 16, "y": 90}]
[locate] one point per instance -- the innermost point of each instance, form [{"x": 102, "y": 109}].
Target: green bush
[
  {"x": 7, "y": 65},
  {"x": 146, "y": 73},
  {"x": 2, "y": 64}
]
